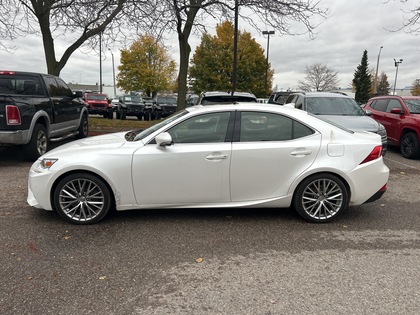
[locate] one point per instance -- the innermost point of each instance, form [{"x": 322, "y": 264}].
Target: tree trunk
[{"x": 184, "y": 56}]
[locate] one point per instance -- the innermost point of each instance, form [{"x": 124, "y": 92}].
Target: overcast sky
[{"x": 352, "y": 27}]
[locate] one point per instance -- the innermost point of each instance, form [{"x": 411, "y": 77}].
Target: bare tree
[
  {"x": 187, "y": 16},
  {"x": 318, "y": 78},
  {"x": 80, "y": 23},
  {"x": 411, "y": 20}
]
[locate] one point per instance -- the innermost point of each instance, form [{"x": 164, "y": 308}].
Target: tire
[
  {"x": 83, "y": 129},
  {"x": 409, "y": 146},
  {"x": 82, "y": 199},
  {"x": 320, "y": 198},
  {"x": 123, "y": 115},
  {"x": 110, "y": 114},
  {"x": 146, "y": 116},
  {"x": 118, "y": 115},
  {"x": 38, "y": 145}
]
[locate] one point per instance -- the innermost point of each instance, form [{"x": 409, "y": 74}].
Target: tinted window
[
  {"x": 256, "y": 126},
  {"x": 393, "y": 104},
  {"x": 380, "y": 105},
  {"x": 205, "y": 128}
]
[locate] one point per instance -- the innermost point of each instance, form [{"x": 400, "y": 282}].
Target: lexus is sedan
[{"x": 236, "y": 155}]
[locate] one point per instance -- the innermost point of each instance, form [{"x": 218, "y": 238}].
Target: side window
[
  {"x": 52, "y": 86},
  {"x": 393, "y": 104},
  {"x": 299, "y": 102},
  {"x": 380, "y": 105},
  {"x": 256, "y": 126},
  {"x": 63, "y": 88},
  {"x": 205, "y": 128}
]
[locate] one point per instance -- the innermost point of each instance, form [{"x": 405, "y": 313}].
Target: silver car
[{"x": 340, "y": 109}]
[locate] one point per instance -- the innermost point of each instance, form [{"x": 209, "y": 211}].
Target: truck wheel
[
  {"x": 118, "y": 115},
  {"x": 146, "y": 116},
  {"x": 38, "y": 145},
  {"x": 110, "y": 114},
  {"x": 83, "y": 129},
  {"x": 123, "y": 115}
]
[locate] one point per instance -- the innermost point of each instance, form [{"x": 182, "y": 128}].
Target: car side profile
[
  {"x": 242, "y": 155},
  {"x": 401, "y": 117}
]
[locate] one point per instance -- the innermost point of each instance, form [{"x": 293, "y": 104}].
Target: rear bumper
[
  {"x": 377, "y": 195},
  {"x": 14, "y": 137}
]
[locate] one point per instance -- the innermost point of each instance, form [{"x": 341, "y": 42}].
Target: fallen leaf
[
  {"x": 67, "y": 237},
  {"x": 199, "y": 260},
  {"x": 102, "y": 277}
]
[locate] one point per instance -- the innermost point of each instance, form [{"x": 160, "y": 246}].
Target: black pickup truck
[{"x": 38, "y": 108}]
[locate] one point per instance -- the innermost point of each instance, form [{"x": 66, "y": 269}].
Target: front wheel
[
  {"x": 320, "y": 198},
  {"x": 409, "y": 146},
  {"x": 82, "y": 198},
  {"x": 38, "y": 144}
]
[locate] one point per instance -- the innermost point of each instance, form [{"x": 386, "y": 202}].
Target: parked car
[
  {"x": 99, "y": 104},
  {"x": 340, "y": 109},
  {"x": 164, "y": 106},
  {"x": 192, "y": 100},
  {"x": 401, "y": 117},
  {"x": 239, "y": 155},
  {"x": 217, "y": 97},
  {"x": 36, "y": 109},
  {"x": 130, "y": 105}
]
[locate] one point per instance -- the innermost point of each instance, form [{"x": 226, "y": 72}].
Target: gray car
[{"x": 340, "y": 109}]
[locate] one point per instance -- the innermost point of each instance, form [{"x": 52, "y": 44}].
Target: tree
[
  {"x": 146, "y": 67},
  {"x": 80, "y": 23},
  {"x": 212, "y": 63},
  {"x": 319, "y": 77},
  {"x": 183, "y": 16},
  {"x": 415, "y": 90},
  {"x": 362, "y": 80},
  {"x": 383, "y": 84}
]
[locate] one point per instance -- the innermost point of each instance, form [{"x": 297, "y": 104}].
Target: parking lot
[{"x": 225, "y": 261}]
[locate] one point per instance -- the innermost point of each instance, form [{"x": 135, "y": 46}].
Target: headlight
[
  {"x": 43, "y": 165},
  {"x": 382, "y": 130}
]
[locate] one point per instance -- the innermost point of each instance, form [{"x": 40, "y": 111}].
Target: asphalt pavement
[{"x": 201, "y": 261}]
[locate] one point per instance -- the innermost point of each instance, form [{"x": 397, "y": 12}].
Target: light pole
[
  {"x": 100, "y": 62},
  {"x": 397, "y": 63},
  {"x": 113, "y": 72},
  {"x": 268, "y": 33},
  {"x": 235, "y": 47},
  {"x": 376, "y": 75}
]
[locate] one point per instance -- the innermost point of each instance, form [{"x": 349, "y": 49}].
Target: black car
[
  {"x": 130, "y": 105},
  {"x": 279, "y": 97}
]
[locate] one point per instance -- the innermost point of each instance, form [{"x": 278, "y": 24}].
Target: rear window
[
  {"x": 226, "y": 99},
  {"x": 23, "y": 85},
  {"x": 333, "y": 106}
]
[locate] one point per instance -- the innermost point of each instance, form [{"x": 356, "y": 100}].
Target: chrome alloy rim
[
  {"x": 41, "y": 141},
  {"x": 81, "y": 199},
  {"x": 322, "y": 199}
]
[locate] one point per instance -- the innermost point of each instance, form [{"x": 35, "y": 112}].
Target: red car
[
  {"x": 401, "y": 117},
  {"x": 99, "y": 104}
]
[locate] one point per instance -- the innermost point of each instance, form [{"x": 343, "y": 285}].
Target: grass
[{"x": 100, "y": 125}]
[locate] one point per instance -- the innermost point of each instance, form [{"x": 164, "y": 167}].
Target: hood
[
  {"x": 354, "y": 122},
  {"x": 102, "y": 142}
]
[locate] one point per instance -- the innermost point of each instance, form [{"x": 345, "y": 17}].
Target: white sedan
[{"x": 240, "y": 155}]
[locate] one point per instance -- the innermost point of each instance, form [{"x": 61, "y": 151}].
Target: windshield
[
  {"x": 144, "y": 133},
  {"x": 133, "y": 99},
  {"x": 167, "y": 100},
  {"x": 333, "y": 106},
  {"x": 413, "y": 106},
  {"x": 96, "y": 97}
]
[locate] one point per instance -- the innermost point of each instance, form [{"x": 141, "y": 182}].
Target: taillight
[
  {"x": 7, "y": 72},
  {"x": 375, "y": 154},
  {"x": 12, "y": 115}
]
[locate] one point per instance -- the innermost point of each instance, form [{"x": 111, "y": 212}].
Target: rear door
[{"x": 269, "y": 151}]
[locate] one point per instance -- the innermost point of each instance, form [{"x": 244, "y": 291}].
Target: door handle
[
  {"x": 216, "y": 157},
  {"x": 300, "y": 152}
]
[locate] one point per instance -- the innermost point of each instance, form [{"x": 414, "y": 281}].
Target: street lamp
[
  {"x": 268, "y": 33},
  {"x": 113, "y": 71},
  {"x": 376, "y": 75},
  {"x": 397, "y": 63}
]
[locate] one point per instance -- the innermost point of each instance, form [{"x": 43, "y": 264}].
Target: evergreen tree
[
  {"x": 383, "y": 84},
  {"x": 362, "y": 80}
]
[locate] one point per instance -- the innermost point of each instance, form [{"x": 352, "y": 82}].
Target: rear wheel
[
  {"x": 320, "y": 198},
  {"x": 38, "y": 145},
  {"x": 82, "y": 198},
  {"x": 409, "y": 146},
  {"x": 123, "y": 115},
  {"x": 83, "y": 129}
]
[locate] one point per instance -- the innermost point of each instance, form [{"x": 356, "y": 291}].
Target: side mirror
[
  {"x": 163, "y": 140},
  {"x": 368, "y": 112},
  {"x": 396, "y": 110},
  {"x": 78, "y": 94}
]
